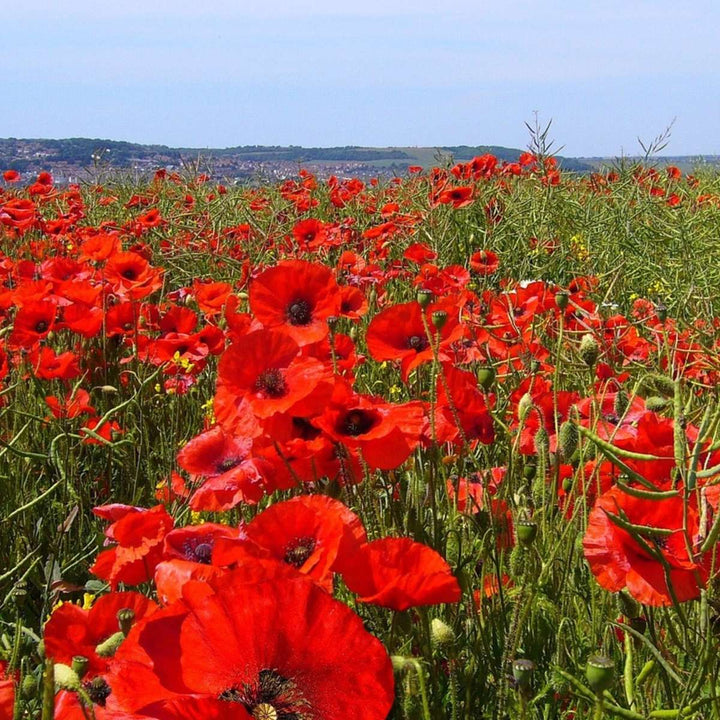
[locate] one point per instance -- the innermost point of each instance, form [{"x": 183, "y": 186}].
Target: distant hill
[{"x": 71, "y": 158}]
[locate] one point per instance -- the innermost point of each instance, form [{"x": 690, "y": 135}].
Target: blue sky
[{"x": 223, "y": 73}]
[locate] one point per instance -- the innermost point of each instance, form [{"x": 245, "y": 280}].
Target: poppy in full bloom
[
  {"x": 399, "y": 573},
  {"x": 398, "y": 333},
  {"x": 385, "y": 433},
  {"x": 71, "y": 630},
  {"x": 298, "y": 297},
  {"x": 484, "y": 262},
  {"x": 231, "y": 475},
  {"x": 33, "y": 323},
  {"x": 312, "y": 533},
  {"x": 247, "y": 647},
  {"x": 653, "y": 563},
  {"x": 266, "y": 371},
  {"x": 139, "y": 534}
]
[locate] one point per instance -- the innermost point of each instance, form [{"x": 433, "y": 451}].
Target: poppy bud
[
  {"x": 126, "y": 617},
  {"x": 399, "y": 663},
  {"x": 439, "y": 318},
  {"x": 353, "y": 333},
  {"x": 29, "y": 687},
  {"x": 80, "y": 665},
  {"x": 524, "y": 405},
  {"x": 656, "y": 403},
  {"x": 529, "y": 471},
  {"x": 424, "y": 297},
  {"x": 486, "y": 377},
  {"x": 599, "y": 673},
  {"x": 441, "y": 634},
  {"x": 589, "y": 349},
  {"x": 109, "y": 647},
  {"x": 526, "y": 532},
  {"x": 567, "y": 484},
  {"x": 522, "y": 672},
  {"x": 568, "y": 439},
  {"x": 562, "y": 297},
  {"x": 628, "y": 606},
  {"x": 108, "y": 389},
  {"x": 66, "y": 678},
  {"x": 542, "y": 441},
  {"x": 534, "y": 366},
  {"x": 622, "y": 401}
]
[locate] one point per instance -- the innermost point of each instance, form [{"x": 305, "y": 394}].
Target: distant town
[{"x": 85, "y": 159}]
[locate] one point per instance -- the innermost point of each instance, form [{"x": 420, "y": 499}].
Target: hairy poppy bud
[
  {"x": 599, "y": 673},
  {"x": 524, "y": 406},
  {"x": 656, "y": 403},
  {"x": 486, "y": 377},
  {"x": 399, "y": 663},
  {"x": 628, "y": 606},
  {"x": 568, "y": 438},
  {"x": 424, "y": 297},
  {"x": 622, "y": 401},
  {"x": 29, "y": 687},
  {"x": 542, "y": 442},
  {"x": 522, "y": 672},
  {"x": 589, "y": 349},
  {"x": 441, "y": 634},
  {"x": 66, "y": 678},
  {"x": 108, "y": 389},
  {"x": 109, "y": 647}
]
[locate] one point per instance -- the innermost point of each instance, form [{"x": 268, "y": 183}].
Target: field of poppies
[{"x": 442, "y": 446}]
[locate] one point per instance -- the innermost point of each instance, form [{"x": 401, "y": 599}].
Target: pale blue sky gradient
[{"x": 223, "y": 73}]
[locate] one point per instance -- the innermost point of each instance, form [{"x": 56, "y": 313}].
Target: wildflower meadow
[{"x": 444, "y": 445}]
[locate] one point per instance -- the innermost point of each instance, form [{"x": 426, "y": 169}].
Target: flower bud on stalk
[
  {"x": 424, "y": 297},
  {"x": 439, "y": 318},
  {"x": 589, "y": 349},
  {"x": 599, "y": 673}
]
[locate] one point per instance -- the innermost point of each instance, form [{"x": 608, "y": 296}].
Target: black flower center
[
  {"x": 612, "y": 418},
  {"x": 298, "y": 313},
  {"x": 299, "y": 550},
  {"x": 41, "y": 326},
  {"x": 272, "y": 697},
  {"x": 357, "y": 422},
  {"x": 97, "y": 690},
  {"x": 228, "y": 464},
  {"x": 198, "y": 549},
  {"x": 417, "y": 343},
  {"x": 304, "y": 429},
  {"x": 271, "y": 383},
  {"x": 129, "y": 273}
]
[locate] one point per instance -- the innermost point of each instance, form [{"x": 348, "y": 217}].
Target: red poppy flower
[
  {"x": 76, "y": 403},
  {"x": 277, "y": 648},
  {"x": 231, "y": 474},
  {"x": 7, "y": 692},
  {"x": 386, "y": 434},
  {"x": 460, "y": 197},
  {"x": 33, "y": 322},
  {"x": 398, "y": 333},
  {"x": 11, "y": 176},
  {"x": 139, "y": 535},
  {"x": 266, "y": 371},
  {"x": 655, "y": 554},
  {"x": 297, "y": 296},
  {"x": 399, "y": 573},
  {"x": 73, "y": 631},
  {"x": 132, "y": 276},
  {"x": 312, "y": 533},
  {"x": 484, "y": 262},
  {"x": 195, "y": 543}
]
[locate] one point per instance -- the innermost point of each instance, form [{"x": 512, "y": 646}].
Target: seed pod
[
  {"x": 80, "y": 665},
  {"x": 568, "y": 438},
  {"x": 125, "y": 617},
  {"x": 562, "y": 297},
  {"x": 589, "y": 349},
  {"x": 439, "y": 318},
  {"x": 599, "y": 673},
  {"x": 526, "y": 532},
  {"x": 523, "y": 670},
  {"x": 424, "y": 297},
  {"x": 486, "y": 377}
]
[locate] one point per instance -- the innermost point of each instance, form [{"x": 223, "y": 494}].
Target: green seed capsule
[{"x": 600, "y": 673}]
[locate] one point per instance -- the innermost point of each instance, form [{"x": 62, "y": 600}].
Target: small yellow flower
[
  {"x": 196, "y": 518},
  {"x": 88, "y": 600}
]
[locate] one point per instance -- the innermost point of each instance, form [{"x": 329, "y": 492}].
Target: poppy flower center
[
  {"x": 127, "y": 326},
  {"x": 272, "y": 697},
  {"x": 299, "y": 550},
  {"x": 199, "y": 551},
  {"x": 129, "y": 273},
  {"x": 228, "y": 464},
  {"x": 97, "y": 690},
  {"x": 357, "y": 422},
  {"x": 417, "y": 343},
  {"x": 304, "y": 429},
  {"x": 41, "y": 327},
  {"x": 298, "y": 313},
  {"x": 612, "y": 418},
  {"x": 271, "y": 383}
]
